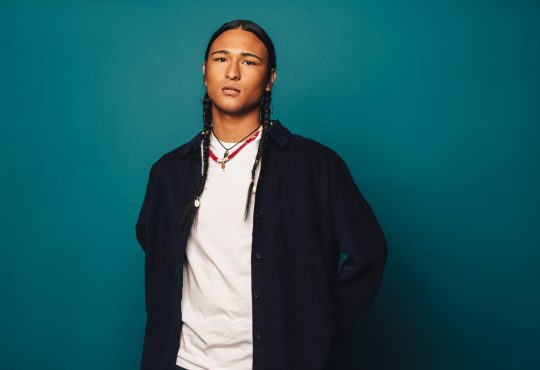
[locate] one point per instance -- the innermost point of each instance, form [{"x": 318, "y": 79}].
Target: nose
[{"x": 232, "y": 72}]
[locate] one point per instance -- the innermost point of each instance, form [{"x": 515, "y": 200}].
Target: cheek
[
  {"x": 214, "y": 74},
  {"x": 257, "y": 78},
  {"x": 256, "y": 84}
]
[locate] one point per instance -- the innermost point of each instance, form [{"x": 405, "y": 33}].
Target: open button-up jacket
[{"x": 307, "y": 210}]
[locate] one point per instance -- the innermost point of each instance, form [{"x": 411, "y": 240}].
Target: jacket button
[
  {"x": 256, "y": 215},
  {"x": 258, "y": 255},
  {"x": 257, "y": 295},
  {"x": 258, "y": 336}
]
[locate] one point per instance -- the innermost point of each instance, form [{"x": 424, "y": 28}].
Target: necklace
[{"x": 226, "y": 156}]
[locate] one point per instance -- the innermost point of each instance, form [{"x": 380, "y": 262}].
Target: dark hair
[{"x": 189, "y": 217}]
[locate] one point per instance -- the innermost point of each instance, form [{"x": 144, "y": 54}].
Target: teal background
[{"x": 433, "y": 104}]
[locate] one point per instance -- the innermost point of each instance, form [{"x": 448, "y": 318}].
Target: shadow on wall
[{"x": 398, "y": 329}]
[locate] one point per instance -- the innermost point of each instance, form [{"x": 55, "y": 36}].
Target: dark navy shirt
[{"x": 307, "y": 211}]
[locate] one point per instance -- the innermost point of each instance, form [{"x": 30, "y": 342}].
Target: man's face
[{"x": 239, "y": 59}]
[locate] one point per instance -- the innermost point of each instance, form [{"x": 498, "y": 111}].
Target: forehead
[{"x": 237, "y": 41}]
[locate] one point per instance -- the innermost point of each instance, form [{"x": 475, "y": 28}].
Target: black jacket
[{"x": 307, "y": 210}]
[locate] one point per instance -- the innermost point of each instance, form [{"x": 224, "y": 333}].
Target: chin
[{"x": 231, "y": 107}]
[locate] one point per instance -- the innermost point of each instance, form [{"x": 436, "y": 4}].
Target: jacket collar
[{"x": 279, "y": 133}]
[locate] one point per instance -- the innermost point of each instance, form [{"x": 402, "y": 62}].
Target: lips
[{"x": 230, "y": 90}]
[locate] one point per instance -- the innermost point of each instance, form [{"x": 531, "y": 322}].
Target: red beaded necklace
[{"x": 226, "y": 156}]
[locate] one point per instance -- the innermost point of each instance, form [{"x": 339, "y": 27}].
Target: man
[{"x": 234, "y": 282}]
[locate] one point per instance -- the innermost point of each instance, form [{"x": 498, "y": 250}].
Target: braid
[
  {"x": 265, "y": 119},
  {"x": 189, "y": 217}
]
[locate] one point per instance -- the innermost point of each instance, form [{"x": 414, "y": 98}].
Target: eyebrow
[{"x": 244, "y": 54}]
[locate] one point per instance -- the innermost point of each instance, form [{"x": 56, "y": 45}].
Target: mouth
[{"x": 230, "y": 90}]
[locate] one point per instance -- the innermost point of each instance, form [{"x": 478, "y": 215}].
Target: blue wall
[{"x": 433, "y": 104}]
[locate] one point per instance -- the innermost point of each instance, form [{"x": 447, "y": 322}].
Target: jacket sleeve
[
  {"x": 143, "y": 221},
  {"x": 358, "y": 234}
]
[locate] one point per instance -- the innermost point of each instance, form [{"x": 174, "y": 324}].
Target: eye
[
  {"x": 249, "y": 61},
  {"x": 219, "y": 58}
]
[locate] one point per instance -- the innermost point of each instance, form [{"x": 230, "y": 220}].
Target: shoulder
[
  {"x": 310, "y": 149},
  {"x": 173, "y": 156},
  {"x": 172, "y": 160},
  {"x": 319, "y": 159}
]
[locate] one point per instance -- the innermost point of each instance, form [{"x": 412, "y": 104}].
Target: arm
[
  {"x": 144, "y": 215},
  {"x": 358, "y": 234}
]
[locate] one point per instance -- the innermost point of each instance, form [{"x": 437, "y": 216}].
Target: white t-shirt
[{"x": 216, "y": 293}]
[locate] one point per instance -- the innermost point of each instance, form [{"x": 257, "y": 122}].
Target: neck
[{"x": 232, "y": 129}]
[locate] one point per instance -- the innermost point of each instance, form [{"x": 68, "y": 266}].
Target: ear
[
  {"x": 272, "y": 79},
  {"x": 204, "y": 72}
]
